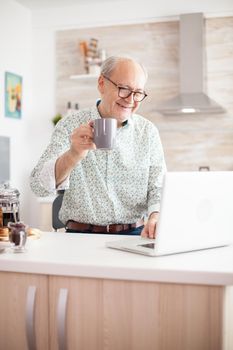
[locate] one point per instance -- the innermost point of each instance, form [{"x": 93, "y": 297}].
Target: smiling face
[{"x": 127, "y": 73}]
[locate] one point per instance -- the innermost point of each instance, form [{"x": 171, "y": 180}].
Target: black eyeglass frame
[{"x": 125, "y": 88}]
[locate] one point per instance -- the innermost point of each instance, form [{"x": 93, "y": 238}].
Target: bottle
[{"x": 68, "y": 107}]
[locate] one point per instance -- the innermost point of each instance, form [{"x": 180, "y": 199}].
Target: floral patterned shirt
[{"x": 115, "y": 186}]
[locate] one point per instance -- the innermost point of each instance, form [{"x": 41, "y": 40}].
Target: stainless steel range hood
[{"x": 192, "y": 97}]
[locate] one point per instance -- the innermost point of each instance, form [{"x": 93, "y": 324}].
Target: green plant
[{"x": 56, "y": 118}]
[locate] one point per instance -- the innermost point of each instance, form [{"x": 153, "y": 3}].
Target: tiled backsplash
[{"x": 189, "y": 141}]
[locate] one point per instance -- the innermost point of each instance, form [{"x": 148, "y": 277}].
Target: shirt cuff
[
  {"x": 47, "y": 177},
  {"x": 153, "y": 208}
]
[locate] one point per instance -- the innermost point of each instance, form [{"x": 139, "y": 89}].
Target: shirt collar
[{"x": 98, "y": 116}]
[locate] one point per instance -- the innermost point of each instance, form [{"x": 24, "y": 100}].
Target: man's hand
[
  {"x": 149, "y": 230},
  {"x": 81, "y": 141}
]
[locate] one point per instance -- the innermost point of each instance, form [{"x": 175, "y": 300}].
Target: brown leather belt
[{"x": 112, "y": 228}]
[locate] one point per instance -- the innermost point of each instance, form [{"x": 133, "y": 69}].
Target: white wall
[
  {"x": 15, "y": 56},
  {"x": 43, "y": 87}
]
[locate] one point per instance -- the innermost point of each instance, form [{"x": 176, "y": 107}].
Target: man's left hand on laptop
[{"x": 149, "y": 230}]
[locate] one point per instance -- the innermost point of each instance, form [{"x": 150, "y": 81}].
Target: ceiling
[
  {"x": 45, "y": 4},
  {"x": 166, "y": 6}
]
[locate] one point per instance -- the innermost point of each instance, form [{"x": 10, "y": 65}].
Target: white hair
[{"x": 111, "y": 62}]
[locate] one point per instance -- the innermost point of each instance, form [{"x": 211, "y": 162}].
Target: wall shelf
[{"x": 83, "y": 76}]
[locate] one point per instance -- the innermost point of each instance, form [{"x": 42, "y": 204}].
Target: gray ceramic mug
[{"x": 105, "y": 133}]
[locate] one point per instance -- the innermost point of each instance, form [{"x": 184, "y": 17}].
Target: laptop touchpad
[{"x": 148, "y": 245}]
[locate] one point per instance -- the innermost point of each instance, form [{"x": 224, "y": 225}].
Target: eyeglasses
[{"x": 125, "y": 92}]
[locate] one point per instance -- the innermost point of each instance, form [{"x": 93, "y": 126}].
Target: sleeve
[
  {"x": 42, "y": 178},
  {"x": 47, "y": 177},
  {"x": 157, "y": 171}
]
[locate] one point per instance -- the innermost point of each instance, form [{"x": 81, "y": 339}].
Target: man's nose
[{"x": 130, "y": 98}]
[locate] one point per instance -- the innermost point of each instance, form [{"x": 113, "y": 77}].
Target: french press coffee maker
[{"x": 9, "y": 204}]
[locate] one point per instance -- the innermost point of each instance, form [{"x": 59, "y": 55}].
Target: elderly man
[{"x": 107, "y": 191}]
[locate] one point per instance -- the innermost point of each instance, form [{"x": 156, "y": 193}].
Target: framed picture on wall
[{"x": 13, "y": 95}]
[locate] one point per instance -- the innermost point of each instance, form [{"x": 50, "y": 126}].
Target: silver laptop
[{"x": 196, "y": 213}]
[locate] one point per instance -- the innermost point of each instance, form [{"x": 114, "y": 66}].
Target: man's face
[{"x": 126, "y": 74}]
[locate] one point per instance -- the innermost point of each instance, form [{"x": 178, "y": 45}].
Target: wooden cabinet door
[
  {"x": 151, "y": 316},
  {"x": 82, "y": 328},
  {"x": 23, "y": 311}
]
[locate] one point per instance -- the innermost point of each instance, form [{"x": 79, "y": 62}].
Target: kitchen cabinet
[
  {"x": 70, "y": 292},
  {"x": 23, "y": 311},
  {"x": 115, "y": 315},
  {"x": 97, "y": 314}
]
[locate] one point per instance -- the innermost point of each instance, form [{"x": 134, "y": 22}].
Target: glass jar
[{"x": 9, "y": 204}]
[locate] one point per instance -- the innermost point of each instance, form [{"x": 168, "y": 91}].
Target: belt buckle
[{"x": 107, "y": 228}]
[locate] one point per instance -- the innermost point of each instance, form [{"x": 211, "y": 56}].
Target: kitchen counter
[{"x": 85, "y": 255}]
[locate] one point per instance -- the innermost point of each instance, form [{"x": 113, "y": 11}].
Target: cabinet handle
[
  {"x": 30, "y": 317},
  {"x": 61, "y": 318}
]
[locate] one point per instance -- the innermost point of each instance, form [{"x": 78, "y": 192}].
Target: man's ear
[{"x": 101, "y": 84}]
